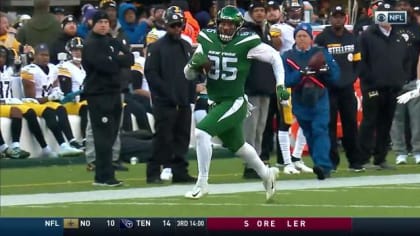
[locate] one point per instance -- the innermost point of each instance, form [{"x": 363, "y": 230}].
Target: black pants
[
  {"x": 171, "y": 140},
  {"x": 378, "y": 112},
  {"x": 344, "y": 102},
  {"x": 105, "y": 115}
]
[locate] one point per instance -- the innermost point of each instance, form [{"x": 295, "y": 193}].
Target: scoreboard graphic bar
[{"x": 208, "y": 226}]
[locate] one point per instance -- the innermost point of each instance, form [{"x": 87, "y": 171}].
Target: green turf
[
  {"x": 74, "y": 177},
  {"x": 352, "y": 201},
  {"x": 369, "y": 201}
]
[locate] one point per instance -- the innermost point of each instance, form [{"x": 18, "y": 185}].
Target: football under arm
[{"x": 265, "y": 53}]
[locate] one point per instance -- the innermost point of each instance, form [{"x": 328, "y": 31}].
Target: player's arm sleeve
[
  {"x": 64, "y": 80},
  {"x": 265, "y": 53},
  {"x": 190, "y": 70}
]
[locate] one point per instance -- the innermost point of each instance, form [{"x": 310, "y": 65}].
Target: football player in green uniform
[{"x": 225, "y": 55}]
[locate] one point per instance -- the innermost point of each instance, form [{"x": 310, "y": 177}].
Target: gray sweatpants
[
  {"x": 412, "y": 110},
  {"x": 254, "y": 124}
]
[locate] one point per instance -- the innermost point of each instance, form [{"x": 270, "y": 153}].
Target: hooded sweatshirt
[
  {"x": 135, "y": 32},
  {"x": 42, "y": 28}
]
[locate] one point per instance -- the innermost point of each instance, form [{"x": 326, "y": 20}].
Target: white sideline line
[
  {"x": 179, "y": 190},
  {"x": 229, "y": 204}
]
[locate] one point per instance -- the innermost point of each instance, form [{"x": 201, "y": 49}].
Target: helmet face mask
[
  {"x": 293, "y": 11},
  {"x": 74, "y": 48},
  {"x": 229, "y": 21}
]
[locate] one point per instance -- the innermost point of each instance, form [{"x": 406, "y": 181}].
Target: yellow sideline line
[{"x": 85, "y": 182}]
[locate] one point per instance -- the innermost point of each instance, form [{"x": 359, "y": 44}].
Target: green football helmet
[{"x": 232, "y": 14}]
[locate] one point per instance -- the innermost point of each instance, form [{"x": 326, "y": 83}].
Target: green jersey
[{"x": 230, "y": 65}]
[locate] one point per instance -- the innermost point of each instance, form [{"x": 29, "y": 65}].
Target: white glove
[
  {"x": 30, "y": 100},
  {"x": 12, "y": 101},
  {"x": 55, "y": 95},
  {"x": 407, "y": 96}
]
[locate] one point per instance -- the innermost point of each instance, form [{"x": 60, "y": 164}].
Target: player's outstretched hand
[{"x": 282, "y": 93}]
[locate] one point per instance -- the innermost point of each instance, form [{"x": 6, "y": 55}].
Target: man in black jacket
[
  {"x": 342, "y": 45},
  {"x": 384, "y": 68},
  {"x": 172, "y": 95},
  {"x": 102, "y": 90},
  {"x": 69, "y": 26}
]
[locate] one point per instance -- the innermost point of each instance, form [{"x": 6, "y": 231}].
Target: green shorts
[{"x": 225, "y": 120}]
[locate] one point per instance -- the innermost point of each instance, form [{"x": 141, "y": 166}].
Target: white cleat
[
  {"x": 401, "y": 159},
  {"x": 166, "y": 174},
  {"x": 417, "y": 157},
  {"x": 197, "y": 192},
  {"x": 67, "y": 150},
  {"x": 270, "y": 183},
  {"x": 290, "y": 169},
  {"x": 302, "y": 167},
  {"x": 48, "y": 153}
]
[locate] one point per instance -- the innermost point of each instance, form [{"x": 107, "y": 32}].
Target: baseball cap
[
  {"x": 384, "y": 7},
  {"x": 273, "y": 4},
  {"x": 68, "y": 19},
  {"x": 42, "y": 47},
  {"x": 99, "y": 15},
  {"x": 256, "y": 3},
  {"x": 339, "y": 9},
  {"x": 104, "y": 4},
  {"x": 58, "y": 10}
]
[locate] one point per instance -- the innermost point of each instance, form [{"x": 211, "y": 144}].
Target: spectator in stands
[
  {"x": 384, "y": 68},
  {"x": 86, "y": 24},
  {"x": 7, "y": 33},
  {"x": 309, "y": 95},
  {"x": 21, "y": 21},
  {"x": 40, "y": 83},
  {"x": 42, "y": 28},
  {"x": 127, "y": 17},
  {"x": 342, "y": 45},
  {"x": 172, "y": 95},
  {"x": 110, "y": 7},
  {"x": 59, "y": 13},
  {"x": 366, "y": 19},
  {"x": 69, "y": 26}
]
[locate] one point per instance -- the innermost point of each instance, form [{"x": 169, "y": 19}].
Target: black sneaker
[
  {"x": 118, "y": 166},
  {"x": 319, "y": 172},
  {"x": 154, "y": 180},
  {"x": 77, "y": 145},
  {"x": 186, "y": 178},
  {"x": 356, "y": 168},
  {"x": 250, "y": 173},
  {"x": 108, "y": 183}
]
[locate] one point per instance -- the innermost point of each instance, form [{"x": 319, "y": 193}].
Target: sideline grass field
[{"x": 388, "y": 200}]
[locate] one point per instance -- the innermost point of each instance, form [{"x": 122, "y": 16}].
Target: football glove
[
  {"x": 282, "y": 93},
  {"x": 55, "y": 95},
  {"x": 407, "y": 96},
  {"x": 70, "y": 97},
  {"x": 11, "y": 101},
  {"x": 30, "y": 100}
]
